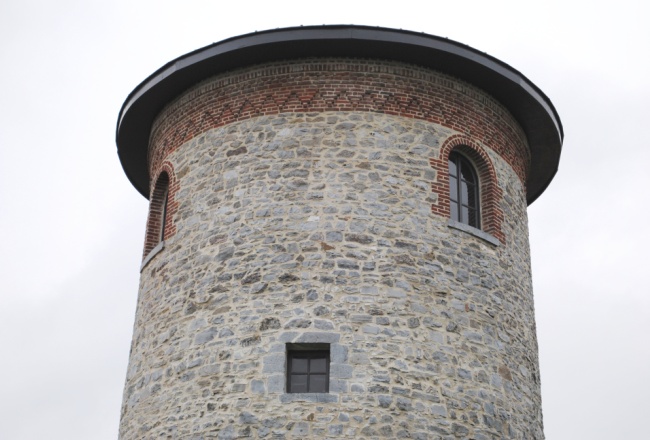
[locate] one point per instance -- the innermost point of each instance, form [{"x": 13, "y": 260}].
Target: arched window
[
  {"x": 463, "y": 191},
  {"x": 158, "y": 216}
]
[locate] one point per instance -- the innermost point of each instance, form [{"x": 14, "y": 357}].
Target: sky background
[{"x": 72, "y": 227}]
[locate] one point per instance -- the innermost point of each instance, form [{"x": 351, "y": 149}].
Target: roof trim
[{"x": 528, "y": 104}]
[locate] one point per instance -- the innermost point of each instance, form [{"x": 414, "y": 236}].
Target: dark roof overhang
[{"x": 530, "y": 107}]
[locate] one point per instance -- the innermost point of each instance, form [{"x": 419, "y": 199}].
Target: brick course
[{"x": 340, "y": 85}]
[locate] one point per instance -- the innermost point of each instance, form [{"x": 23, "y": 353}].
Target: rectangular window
[{"x": 308, "y": 368}]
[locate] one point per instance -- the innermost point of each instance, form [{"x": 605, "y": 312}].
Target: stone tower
[{"x": 337, "y": 242}]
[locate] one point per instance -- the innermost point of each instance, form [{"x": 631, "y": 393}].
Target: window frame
[
  {"x": 307, "y": 351},
  {"x": 463, "y": 164}
]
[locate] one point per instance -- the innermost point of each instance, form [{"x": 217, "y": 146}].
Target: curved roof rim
[{"x": 486, "y": 72}]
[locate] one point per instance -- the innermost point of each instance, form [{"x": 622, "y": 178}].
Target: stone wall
[{"x": 317, "y": 227}]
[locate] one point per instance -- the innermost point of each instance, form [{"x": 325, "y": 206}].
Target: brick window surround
[
  {"x": 162, "y": 207},
  {"x": 490, "y": 193}
]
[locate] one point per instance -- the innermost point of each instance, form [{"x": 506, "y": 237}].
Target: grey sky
[{"x": 72, "y": 227}]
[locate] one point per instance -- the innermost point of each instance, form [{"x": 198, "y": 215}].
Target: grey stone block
[
  {"x": 323, "y": 325},
  {"x": 395, "y": 293},
  {"x": 438, "y": 410},
  {"x": 247, "y": 418},
  {"x": 335, "y": 429},
  {"x": 370, "y": 329},
  {"x": 340, "y": 371},
  {"x": 338, "y": 353},
  {"x": 287, "y": 336},
  {"x": 384, "y": 401},
  {"x": 318, "y": 337},
  {"x": 338, "y": 386},
  {"x": 274, "y": 363},
  {"x": 359, "y": 358},
  {"x": 205, "y": 336},
  {"x": 300, "y": 429},
  {"x": 276, "y": 383},
  {"x": 404, "y": 404},
  {"x": 257, "y": 386},
  {"x": 309, "y": 397}
]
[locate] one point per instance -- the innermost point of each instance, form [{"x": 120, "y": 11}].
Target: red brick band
[{"x": 321, "y": 85}]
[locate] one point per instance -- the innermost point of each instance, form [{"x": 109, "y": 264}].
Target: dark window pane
[
  {"x": 318, "y": 365},
  {"x": 453, "y": 189},
  {"x": 463, "y": 192},
  {"x": 164, "y": 215},
  {"x": 472, "y": 219},
  {"x": 471, "y": 199},
  {"x": 299, "y": 383},
  {"x": 318, "y": 383},
  {"x": 454, "y": 211},
  {"x": 452, "y": 166},
  {"x": 467, "y": 173},
  {"x": 299, "y": 365}
]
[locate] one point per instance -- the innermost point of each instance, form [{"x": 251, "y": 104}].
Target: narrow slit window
[
  {"x": 163, "y": 219},
  {"x": 158, "y": 215}
]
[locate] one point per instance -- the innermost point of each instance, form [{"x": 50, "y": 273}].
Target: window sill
[
  {"x": 474, "y": 231},
  {"x": 159, "y": 247},
  {"x": 309, "y": 397}
]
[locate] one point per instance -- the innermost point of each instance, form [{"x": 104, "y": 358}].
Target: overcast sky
[{"x": 72, "y": 227}]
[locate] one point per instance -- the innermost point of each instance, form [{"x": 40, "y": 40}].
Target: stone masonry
[{"x": 319, "y": 220}]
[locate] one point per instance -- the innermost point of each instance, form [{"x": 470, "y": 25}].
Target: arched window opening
[
  {"x": 464, "y": 201},
  {"x": 158, "y": 215}
]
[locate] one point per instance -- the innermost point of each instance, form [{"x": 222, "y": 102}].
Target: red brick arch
[
  {"x": 490, "y": 193},
  {"x": 162, "y": 205}
]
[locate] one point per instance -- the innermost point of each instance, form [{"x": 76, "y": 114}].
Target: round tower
[{"x": 337, "y": 242}]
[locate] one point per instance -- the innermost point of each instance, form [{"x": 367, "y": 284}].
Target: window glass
[
  {"x": 471, "y": 196},
  {"x": 464, "y": 214},
  {"x": 300, "y": 365},
  {"x": 454, "y": 211},
  {"x": 453, "y": 189},
  {"x": 463, "y": 191},
  {"x": 467, "y": 172},
  {"x": 164, "y": 214},
  {"x": 307, "y": 370},
  {"x": 299, "y": 383},
  {"x": 318, "y": 365},
  {"x": 452, "y": 168},
  {"x": 471, "y": 217},
  {"x": 318, "y": 384}
]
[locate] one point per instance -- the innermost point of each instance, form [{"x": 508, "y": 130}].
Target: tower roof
[{"x": 527, "y": 103}]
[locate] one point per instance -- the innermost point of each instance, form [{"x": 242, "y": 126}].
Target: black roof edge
[{"x": 528, "y": 104}]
